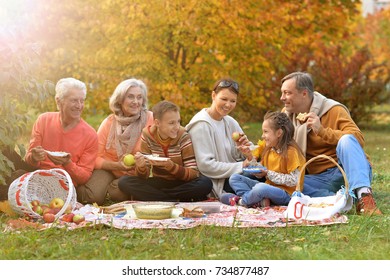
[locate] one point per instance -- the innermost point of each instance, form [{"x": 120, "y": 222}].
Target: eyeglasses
[{"x": 228, "y": 84}]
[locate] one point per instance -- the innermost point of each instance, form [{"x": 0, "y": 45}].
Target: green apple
[
  {"x": 129, "y": 160},
  {"x": 37, "y": 209},
  {"x": 78, "y": 218}
]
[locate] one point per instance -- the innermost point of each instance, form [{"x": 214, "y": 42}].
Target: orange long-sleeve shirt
[
  {"x": 110, "y": 154},
  {"x": 81, "y": 142}
]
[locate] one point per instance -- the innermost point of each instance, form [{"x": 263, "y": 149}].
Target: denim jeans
[
  {"x": 252, "y": 191},
  {"x": 352, "y": 159}
]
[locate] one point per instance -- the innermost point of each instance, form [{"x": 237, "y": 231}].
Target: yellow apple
[
  {"x": 56, "y": 203},
  {"x": 236, "y": 135},
  {"x": 129, "y": 160}
]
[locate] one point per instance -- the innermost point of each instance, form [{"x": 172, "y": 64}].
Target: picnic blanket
[{"x": 229, "y": 216}]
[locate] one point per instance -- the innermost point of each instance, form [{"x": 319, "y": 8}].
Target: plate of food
[
  {"x": 206, "y": 207},
  {"x": 156, "y": 157},
  {"x": 57, "y": 154},
  {"x": 254, "y": 169}
]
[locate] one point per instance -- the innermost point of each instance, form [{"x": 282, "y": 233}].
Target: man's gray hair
[
  {"x": 64, "y": 85},
  {"x": 303, "y": 81}
]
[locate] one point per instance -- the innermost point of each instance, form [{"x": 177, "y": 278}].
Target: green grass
[{"x": 363, "y": 238}]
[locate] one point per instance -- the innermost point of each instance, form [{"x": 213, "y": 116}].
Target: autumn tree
[
  {"x": 22, "y": 92},
  {"x": 179, "y": 48}
]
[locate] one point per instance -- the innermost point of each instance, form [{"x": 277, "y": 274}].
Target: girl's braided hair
[{"x": 280, "y": 120}]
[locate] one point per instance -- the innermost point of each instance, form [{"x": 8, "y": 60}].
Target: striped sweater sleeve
[{"x": 184, "y": 167}]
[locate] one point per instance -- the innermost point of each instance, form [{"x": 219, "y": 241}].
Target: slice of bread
[{"x": 301, "y": 117}]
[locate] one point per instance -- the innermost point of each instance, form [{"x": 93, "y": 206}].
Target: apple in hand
[
  {"x": 78, "y": 218},
  {"x": 236, "y": 136},
  {"x": 56, "y": 203},
  {"x": 49, "y": 217},
  {"x": 129, "y": 160}
]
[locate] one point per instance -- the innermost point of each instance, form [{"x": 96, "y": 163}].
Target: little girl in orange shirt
[{"x": 281, "y": 159}]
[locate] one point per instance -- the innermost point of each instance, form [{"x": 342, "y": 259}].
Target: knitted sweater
[
  {"x": 336, "y": 122},
  {"x": 179, "y": 150}
]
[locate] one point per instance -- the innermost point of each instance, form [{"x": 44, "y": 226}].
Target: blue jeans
[
  {"x": 352, "y": 159},
  {"x": 252, "y": 191}
]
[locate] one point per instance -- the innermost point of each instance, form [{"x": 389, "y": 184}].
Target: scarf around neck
[
  {"x": 125, "y": 132},
  {"x": 319, "y": 106}
]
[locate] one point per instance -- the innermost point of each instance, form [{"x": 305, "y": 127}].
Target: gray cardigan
[{"x": 213, "y": 160}]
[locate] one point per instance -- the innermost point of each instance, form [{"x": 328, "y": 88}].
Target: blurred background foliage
[{"x": 180, "y": 48}]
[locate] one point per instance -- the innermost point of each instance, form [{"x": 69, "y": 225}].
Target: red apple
[
  {"x": 44, "y": 206},
  {"x": 35, "y": 203},
  {"x": 68, "y": 217},
  {"x": 47, "y": 210},
  {"x": 56, "y": 203},
  {"x": 49, "y": 217},
  {"x": 55, "y": 210},
  {"x": 78, "y": 218}
]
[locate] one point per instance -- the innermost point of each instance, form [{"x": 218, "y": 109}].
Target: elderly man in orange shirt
[{"x": 65, "y": 131}]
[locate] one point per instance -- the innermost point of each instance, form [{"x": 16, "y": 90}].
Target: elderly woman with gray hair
[{"x": 119, "y": 134}]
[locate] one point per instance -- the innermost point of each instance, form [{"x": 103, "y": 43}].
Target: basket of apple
[{"x": 41, "y": 192}]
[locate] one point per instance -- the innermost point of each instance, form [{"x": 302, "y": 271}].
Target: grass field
[{"x": 363, "y": 238}]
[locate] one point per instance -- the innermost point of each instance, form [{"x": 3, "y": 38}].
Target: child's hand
[
  {"x": 139, "y": 160},
  {"x": 245, "y": 150}
]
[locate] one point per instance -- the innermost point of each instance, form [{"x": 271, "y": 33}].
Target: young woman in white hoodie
[{"x": 211, "y": 132}]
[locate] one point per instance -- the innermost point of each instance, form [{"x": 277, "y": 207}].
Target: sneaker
[
  {"x": 230, "y": 199},
  {"x": 366, "y": 205},
  {"x": 265, "y": 202}
]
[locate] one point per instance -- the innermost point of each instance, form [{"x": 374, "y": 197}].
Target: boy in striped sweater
[{"x": 166, "y": 168}]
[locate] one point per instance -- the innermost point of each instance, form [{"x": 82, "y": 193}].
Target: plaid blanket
[{"x": 229, "y": 216}]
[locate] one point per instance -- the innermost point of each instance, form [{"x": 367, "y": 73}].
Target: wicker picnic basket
[
  {"x": 41, "y": 185},
  {"x": 303, "y": 207}
]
